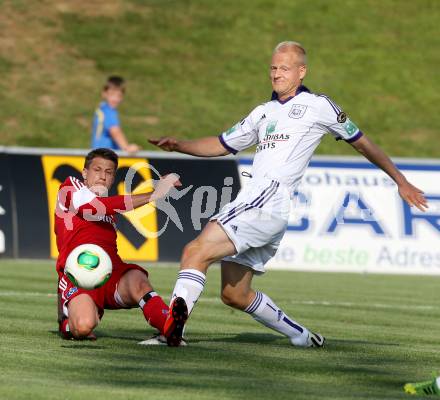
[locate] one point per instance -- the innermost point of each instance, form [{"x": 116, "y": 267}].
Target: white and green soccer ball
[{"x": 88, "y": 266}]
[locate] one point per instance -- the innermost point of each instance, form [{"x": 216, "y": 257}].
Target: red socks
[{"x": 155, "y": 310}]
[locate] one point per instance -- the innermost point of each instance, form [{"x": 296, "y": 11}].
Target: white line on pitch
[
  {"x": 26, "y": 294},
  {"x": 300, "y": 302},
  {"x": 343, "y": 304}
]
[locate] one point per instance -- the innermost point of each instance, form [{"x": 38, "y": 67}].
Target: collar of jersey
[
  {"x": 104, "y": 104},
  {"x": 301, "y": 89}
]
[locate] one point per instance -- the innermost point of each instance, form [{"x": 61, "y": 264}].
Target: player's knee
[
  {"x": 132, "y": 286},
  {"x": 194, "y": 254},
  {"x": 82, "y": 327},
  {"x": 189, "y": 250},
  {"x": 234, "y": 299},
  {"x": 138, "y": 285}
]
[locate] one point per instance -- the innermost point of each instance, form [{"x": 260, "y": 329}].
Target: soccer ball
[{"x": 88, "y": 266}]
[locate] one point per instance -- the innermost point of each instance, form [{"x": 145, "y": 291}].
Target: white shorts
[{"x": 255, "y": 222}]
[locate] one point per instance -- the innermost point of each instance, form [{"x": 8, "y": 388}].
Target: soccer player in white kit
[{"x": 247, "y": 232}]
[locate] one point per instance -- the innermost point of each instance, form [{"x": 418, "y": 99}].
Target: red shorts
[{"x": 105, "y": 297}]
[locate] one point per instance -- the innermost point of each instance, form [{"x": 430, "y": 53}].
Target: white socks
[
  {"x": 265, "y": 311},
  {"x": 189, "y": 286}
]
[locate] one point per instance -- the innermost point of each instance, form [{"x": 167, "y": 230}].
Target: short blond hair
[{"x": 296, "y": 47}]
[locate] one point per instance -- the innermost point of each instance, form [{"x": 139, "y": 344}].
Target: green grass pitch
[{"x": 382, "y": 331}]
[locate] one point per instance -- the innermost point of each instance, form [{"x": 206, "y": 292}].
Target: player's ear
[
  {"x": 84, "y": 173},
  {"x": 302, "y": 71}
]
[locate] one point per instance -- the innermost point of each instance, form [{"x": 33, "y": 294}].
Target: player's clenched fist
[
  {"x": 165, "y": 143},
  {"x": 165, "y": 184}
]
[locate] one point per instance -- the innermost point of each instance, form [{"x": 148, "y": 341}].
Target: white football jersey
[{"x": 287, "y": 133}]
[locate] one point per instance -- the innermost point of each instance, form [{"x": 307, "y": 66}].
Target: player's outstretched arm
[
  {"x": 412, "y": 195},
  {"x": 204, "y": 147},
  {"x": 163, "y": 187},
  {"x": 86, "y": 204}
]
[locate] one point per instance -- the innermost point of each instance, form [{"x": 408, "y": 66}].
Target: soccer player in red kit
[{"x": 84, "y": 215}]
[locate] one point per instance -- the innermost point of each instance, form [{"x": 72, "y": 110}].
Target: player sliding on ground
[
  {"x": 84, "y": 216},
  {"x": 247, "y": 232}
]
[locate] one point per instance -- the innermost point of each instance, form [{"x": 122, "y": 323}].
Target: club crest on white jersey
[{"x": 297, "y": 111}]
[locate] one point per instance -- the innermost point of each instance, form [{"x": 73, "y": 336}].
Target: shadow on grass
[
  {"x": 261, "y": 338},
  {"x": 251, "y": 338},
  {"x": 360, "y": 342},
  {"x": 245, "y": 337},
  {"x": 75, "y": 345},
  {"x": 131, "y": 335}
]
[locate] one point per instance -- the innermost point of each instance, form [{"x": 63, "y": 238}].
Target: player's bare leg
[
  {"x": 237, "y": 293},
  {"x": 211, "y": 245},
  {"x": 132, "y": 286},
  {"x": 236, "y": 288},
  {"x": 83, "y": 316},
  {"x": 134, "y": 289}
]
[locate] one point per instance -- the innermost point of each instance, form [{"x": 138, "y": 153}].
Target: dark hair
[
  {"x": 102, "y": 152},
  {"x": 115, "y": 82}
]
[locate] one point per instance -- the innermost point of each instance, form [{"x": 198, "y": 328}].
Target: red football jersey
[{"x": 81, "y": 217}]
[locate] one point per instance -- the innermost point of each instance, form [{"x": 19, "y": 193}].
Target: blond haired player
[{"x": 247, "y": 232}]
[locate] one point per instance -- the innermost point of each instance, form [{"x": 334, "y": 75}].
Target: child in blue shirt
[{"x": 106, "y": 131}]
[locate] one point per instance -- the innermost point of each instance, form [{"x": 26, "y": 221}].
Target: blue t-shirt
[{"x": 105, "y": 118}]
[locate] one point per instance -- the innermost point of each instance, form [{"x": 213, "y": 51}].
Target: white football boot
[
  {"x": 159, "y": 340},
  {"x": 308, "y": 339}
]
